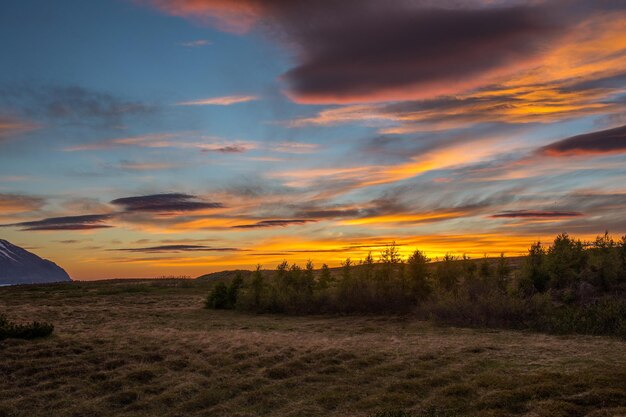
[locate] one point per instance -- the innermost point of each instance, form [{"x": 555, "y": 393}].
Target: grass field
[{"x": 148, "y": 348}]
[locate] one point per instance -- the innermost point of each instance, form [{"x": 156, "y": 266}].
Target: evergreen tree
[
  {"x": 448, "y": 273},
  {"x": 233, "y": 290},
  {"x": 257, "y": 287},
  {"x": 325, "y": 278},
  {"x": 418, "y": 276},
  {"x": 534, "y": 276}
]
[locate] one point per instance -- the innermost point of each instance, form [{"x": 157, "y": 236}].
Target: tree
[
  {"x": 484, "y": 270},
  {"x": 308, "y": 278},
  {"x": 448, "y": 273},
  {"x": 469, "y": 269},
  {"x": 389, "y": 258},
  {"x": 233, "y": 290},
  {"x": 257, "y": 286},
  {"x": 605, "y": 262},
  {"x": 418, "y": 275},
  {"x": 622, "y": 255},
  {"x": 346, "y": 269},
  {"x": 502, "y": 271},
  {"x": 565, "y": 261},
  {"x": 218, "y": 297},
  {"x": 534, "y": 276},
  {"x": 325, "y": 279}
]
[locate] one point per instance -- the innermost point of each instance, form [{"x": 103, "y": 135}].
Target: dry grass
[{"x": 149, "y": 349}]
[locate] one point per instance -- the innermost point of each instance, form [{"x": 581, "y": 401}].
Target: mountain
[{"x": 19, "y": 266}]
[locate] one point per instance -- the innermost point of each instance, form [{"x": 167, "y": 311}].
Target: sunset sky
[{"x": 142, "y": 138}]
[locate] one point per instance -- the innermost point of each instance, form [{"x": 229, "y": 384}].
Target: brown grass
[{"x": 149, "y": 349}]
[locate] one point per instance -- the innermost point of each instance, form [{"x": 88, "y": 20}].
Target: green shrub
[
  {"x": 10, "y": 330},
  {"x": 218, "y": 297}
]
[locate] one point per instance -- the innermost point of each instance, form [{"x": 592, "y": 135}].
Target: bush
[
  {"x": 218, "y": 297},
  {"x": 9, "y": 330}
]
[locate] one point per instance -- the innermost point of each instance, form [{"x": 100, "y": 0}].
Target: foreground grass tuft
[{"x": 34, "y": 330}]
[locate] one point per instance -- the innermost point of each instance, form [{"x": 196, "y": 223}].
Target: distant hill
[{"x": 19, "y": 266}]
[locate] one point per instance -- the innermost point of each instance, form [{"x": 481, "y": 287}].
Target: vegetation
[
  {"x": 147, "y": 348},
  {"x": 567, "y": 287},
  {"x": 32, "y": 330}
]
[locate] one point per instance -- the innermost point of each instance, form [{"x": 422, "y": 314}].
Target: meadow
[{"x": 149, "y": 348}]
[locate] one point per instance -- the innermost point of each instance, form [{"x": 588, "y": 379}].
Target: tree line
[{"x": 565, "y": 286}]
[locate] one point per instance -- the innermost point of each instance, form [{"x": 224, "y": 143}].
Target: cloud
[
  {"x": 365, "y": 51},
  {"x": 536, "y": 214},
  {"x": 197, "y": 43},
  {"x": 71, "y": 104},
  {"x": 156, "y": 140},
  {"x": 219, "y": 101},
  {"x": 164, "y": 203},
  {"x": 228, "y": 149},
  {"x": 145, "y": 166},
  {"x": 178, "y": 248},
  {"x": 274, "y": 223},
  {"x": 610, "y": 141},
  {"x": 19, "y": 203},
  {"x": 418, "y": 49},
  {"x": 526, "y": 104},
  {"x": 11, "y": 126},
  {"x": 84, "y": 222},
  {"x": 187, "y": 140}
]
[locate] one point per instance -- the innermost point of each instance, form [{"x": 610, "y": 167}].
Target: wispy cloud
[
  {"x": 274, "y": 223},
  {"x": 157, "y": 140},
  {"x": 219, "y": 101},
  {"x": 146, "y": 166},
  {"x": 164, "y": 203},
  {"x": 11, "y": 126},
  {"x": 84, "y": 222},
  {"x": 512, "y": 214},
  {"x": 19, "y": 203},
  {"x": 178, "y": 248},
  {"x": 190, "y": 140},
  {"x": 72, "y": 104},
  {"x": 196, "y": 44}
]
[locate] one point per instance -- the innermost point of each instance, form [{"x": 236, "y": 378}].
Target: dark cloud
[
  {"x": 178, "y": 248},
  {"x": 274, "y": 223},
  {"x": 536, "y": 214},
  {"x": 330, "y": 213},
  {"x": 71, "y": 104},
  {"x": 600, "y": 142},
  {"x": 228, "y": 149},
  {"x": 365, "y": 50},
  {"x": 163, "y": 203},
  {"x": 84, "y": 222}
]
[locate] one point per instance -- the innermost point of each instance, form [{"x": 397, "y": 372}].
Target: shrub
[
  {"x": 218, "y": 297},
  {"x": 24, "y": 331}
]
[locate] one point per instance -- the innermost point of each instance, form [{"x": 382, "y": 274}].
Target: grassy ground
[{"x": 149, "y": 349}]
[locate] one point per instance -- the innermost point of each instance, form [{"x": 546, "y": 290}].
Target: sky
[{"x": 145, "y": 138}]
